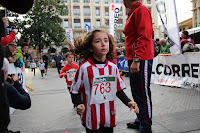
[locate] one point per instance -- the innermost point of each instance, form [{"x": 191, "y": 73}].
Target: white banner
[
  {"x": 177, "y": 70},
  {"x": 69, "y": 35},
  {"x": 168, "y": 15},
  {"x": 114, "y": 9}
]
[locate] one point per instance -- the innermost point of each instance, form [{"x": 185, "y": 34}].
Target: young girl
[
  {"x": 97, "y": 83},
  {"x": 41, "y": 67},
  {"x": 33, "y": 66}
]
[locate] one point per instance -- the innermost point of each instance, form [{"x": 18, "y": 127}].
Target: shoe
[{"x": 133, "y": 125}]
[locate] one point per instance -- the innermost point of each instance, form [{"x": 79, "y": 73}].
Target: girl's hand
[
  {"x": 133, "y": 105},
  {"x": 80, "y": 109}
]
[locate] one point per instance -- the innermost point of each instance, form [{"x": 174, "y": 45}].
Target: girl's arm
[{"x": 123, "y": 97}]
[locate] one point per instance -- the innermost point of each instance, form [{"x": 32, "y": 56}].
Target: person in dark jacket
[
  {"x": 18, "y": 6},
  {"x": 58, "y": 59},
  {"x": 17, "y": 97}
]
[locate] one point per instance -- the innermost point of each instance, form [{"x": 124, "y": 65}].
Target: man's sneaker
[{"x": 133, "y": 125}]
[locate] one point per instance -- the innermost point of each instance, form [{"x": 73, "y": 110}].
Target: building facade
[
  {"x": 185, "y": 25},
  {"x": 95, "y": 13},
  {"x": 196, "y": 13}
]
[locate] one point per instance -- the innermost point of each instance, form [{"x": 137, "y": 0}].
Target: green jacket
[
  {"x": 18, "y": 54},
  {"x": 165, "y": 49}
]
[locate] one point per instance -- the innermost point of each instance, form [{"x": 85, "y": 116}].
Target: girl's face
[{"x": 100, "y": 45}]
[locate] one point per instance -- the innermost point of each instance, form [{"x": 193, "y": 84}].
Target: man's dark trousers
[
  {"x": 58, "y": 67},
  {"x": 140, "y": 87}
]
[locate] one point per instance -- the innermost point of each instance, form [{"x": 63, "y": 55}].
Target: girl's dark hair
[{"x": 83, "y": 45}]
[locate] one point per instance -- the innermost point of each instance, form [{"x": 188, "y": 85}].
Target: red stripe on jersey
[
  {"x": 102, "y": 106},
  {"x": 90, "y": 75},
  {"x": 93, "y": 117},
  {"x": 110, "y": 69},
  {"x": 112, "y": 114},
  {"x": 85, "y": 103},
  {"x": 118, "y": 83},
  {"x": 102, "y": 115}
]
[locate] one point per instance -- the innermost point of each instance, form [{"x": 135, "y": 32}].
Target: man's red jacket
[{"x": 138, "y": 33}]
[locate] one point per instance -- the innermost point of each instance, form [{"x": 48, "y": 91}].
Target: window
[
  {"x": 106, "y": 1},
  {"x": 106, "y": 11},
  {"x": 66, "y": 24},
  {"x": 86, "y": 10},
  {"x": 87, "y": 21},
  {"x": 107, "y": 23},
  {"x": 120, "y": 23},
  {"x": 98, "y": 23},
  {"x": 96, "y": 1},
  {"x": 77, "y": 23},
  {"x": 76, "y": 10},
  {"x": 148, "y": 1},
  {"x": 97, "y": 11},
  {"x": 86, "y": 1},
  {"x": 64, "y": 0},
  {"x": 118, "y": 1},
  {"x": 75, "y": 0}
]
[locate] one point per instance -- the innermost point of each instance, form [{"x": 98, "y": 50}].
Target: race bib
[
  {"x": 104, "y": 89},
  {"x": 71, "y": 74}
]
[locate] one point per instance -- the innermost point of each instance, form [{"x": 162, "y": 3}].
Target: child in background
[
  {"x": 41, "y": 67},
  {"x": 33, "y": 66},
  {"x": 97, "y": 83},
  {"x": 69, "y": 71}
]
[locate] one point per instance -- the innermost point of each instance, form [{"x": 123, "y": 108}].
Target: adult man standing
[
  {"x": 185, "y": 38},
  {"x": 58, "y": 59},
  {"x": 140, "y": 53}
]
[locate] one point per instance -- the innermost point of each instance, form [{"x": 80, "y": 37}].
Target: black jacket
[
  {"x": 58, "y": 58},
  {"x": 18, "y": 98}
]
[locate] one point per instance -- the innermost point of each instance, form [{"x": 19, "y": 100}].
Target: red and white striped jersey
[{"x": 96, "y": 115}]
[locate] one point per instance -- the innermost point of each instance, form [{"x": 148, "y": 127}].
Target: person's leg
[
  {"x": 58, "y": 68},
  {"x": 107, "y": 129},
  {"x": 42, "y": 72},
  {"x": 92, "y": 131},
  {"x": 141, "y": 93},
  {"x": 34, "y": 71}
]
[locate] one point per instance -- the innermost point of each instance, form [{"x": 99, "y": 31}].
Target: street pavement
[{"x": 175, "y": 110}]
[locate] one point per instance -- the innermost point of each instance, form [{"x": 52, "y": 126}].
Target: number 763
[{"x": 103, "y": 88}]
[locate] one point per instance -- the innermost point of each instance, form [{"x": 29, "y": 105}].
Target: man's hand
[
  {"x": 135, "y": 67},
  {"x": 64, "y": 74},
  {"x": 133, "y": 105},
  {"x": 80, "y": 109}
]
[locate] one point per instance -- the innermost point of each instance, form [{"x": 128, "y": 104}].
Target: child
[
  {"x": 33, "y": 66},
  {"x": 41, "y": 67},
  {"x": 97, "y": 83},
  {"x": 69, "y": 70}
]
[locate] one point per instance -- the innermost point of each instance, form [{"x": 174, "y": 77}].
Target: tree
[{"x": 43, "y": 24}]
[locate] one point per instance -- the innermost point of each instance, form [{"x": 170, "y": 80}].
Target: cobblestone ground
[{"x": 52, "y": 109}]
